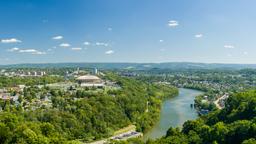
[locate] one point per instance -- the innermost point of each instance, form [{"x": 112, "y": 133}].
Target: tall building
[{"x": 95, "y": 72}]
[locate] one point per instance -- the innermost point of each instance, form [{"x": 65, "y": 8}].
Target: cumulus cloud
[
  {"x": 161, "y": 40},
  {"x": 109, "y": 52},
  {"x": 198, "y": 35},
  {"x": 65, "y": 45},
  {"x": 30, "y": 51},
  {"x": 229, "y": 46},
  {"x": 76, "y": 48},
  {"x": 13, "y": 49},
  {"x": 39, "y": 53},
  {"x": 87, "y": 43},
  {"x": 173, "y": 23},
  {"x": 101, "y": 44},
  {"x": 12, "y": 40},
  {"x": 57, "y": 37}
]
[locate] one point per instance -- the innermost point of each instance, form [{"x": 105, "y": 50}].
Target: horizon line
[{"x": 128, "y": 63}]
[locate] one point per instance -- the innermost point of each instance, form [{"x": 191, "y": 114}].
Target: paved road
[
  {"x": 122, "y": 136},
  {"x": 225, "y": 96}
]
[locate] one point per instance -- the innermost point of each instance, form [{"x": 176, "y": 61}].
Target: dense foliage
[
  {"x": 83, "y": 115},
  {"x": 233, "y": 125},
  {"x": 214, "y": 82}
]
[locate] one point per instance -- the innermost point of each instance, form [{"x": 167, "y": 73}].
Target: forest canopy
[
  {"x": 234, "y": 124},
  {"x": 83, "y": 116}
]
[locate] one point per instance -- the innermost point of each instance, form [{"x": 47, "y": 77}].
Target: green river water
[{"x": 175, "y": 111}]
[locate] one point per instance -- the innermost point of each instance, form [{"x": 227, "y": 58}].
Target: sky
[{"x": 52, "y": 31}]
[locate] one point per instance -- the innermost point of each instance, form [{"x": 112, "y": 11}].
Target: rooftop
[{"x": 88, "y": 77}]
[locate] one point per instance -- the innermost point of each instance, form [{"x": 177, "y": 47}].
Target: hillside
[
  {"x": 85, "y": 115},
  {"x": 233, "y": 125},
  {"x": 136, "y": 66}
]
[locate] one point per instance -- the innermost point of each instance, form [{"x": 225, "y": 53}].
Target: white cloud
[
  {"x": 109, "y": 52},
  {"x": 65, "y": 45},
  {"x": 12, "y": 40},
  {"x": 31, "y": 51},
  {"x": 13, "y": 49},
  {"x": 39, "y": 53},
  {"x": 76, "y": 49},
  {"x": 101, "y": 44},
  {"x": 198, "y": 35},
  {"x": 87, "y": 43},
  {"x": 161, "y": 41},
  {"x": 245, "y": 53},
  {"x": 173, "y": 23},
  {"x": 109, "y": 29},
  {"x": 57, "y": 38},
  {"x": 229, "y": 46},
  {"x": 27, "y": 50}
]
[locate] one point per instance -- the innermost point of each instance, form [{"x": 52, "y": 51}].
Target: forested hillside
[
  {"x": 233, "y": 125},
  {"x": 84, "y": 116}
]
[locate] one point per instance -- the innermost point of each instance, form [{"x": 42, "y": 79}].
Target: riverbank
[{"x": 174, "y": 112}]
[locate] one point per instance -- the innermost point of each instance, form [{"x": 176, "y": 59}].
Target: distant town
[{"x": 77, "y": 80}]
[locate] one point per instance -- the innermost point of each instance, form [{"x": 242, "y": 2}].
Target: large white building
[{"x": 90, "y": 81}]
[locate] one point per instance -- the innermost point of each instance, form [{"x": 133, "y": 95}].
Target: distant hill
[{"x": 137, "y": 66}]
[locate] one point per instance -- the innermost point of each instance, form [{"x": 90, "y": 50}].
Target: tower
[{"x": 95, "y": 72}]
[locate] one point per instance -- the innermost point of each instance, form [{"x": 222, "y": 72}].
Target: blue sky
[{"x": 49, "y": 31}]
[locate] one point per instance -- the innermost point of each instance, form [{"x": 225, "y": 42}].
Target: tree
[{"x": 249, "y": 141}]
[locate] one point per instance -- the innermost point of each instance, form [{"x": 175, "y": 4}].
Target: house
[
  {"x": 5, "y": 96},
  {"x": 90, "y": 81},
  {"x": 203, "y": 112}
]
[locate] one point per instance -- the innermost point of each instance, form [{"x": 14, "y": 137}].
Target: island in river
[{"x": 175, "y": 111}]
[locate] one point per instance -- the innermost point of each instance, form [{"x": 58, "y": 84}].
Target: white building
[
  {"x": 90, "y": 81},
  {"x": 95, "y": 72}
]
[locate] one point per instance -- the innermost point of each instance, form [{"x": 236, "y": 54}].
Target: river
[{"x": 175, "y": 111}]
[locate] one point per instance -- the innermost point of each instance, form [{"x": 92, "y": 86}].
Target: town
[
  {"x": 75, "y": 90},
  {"x": 217, "y": 85},
  {"x": 42, "y": 96}
]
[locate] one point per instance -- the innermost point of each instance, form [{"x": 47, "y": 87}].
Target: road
[
  {"x": 222, "y": 98},
  {"x": 122, "y": 134},
  {"x": 217, "y": 103}
]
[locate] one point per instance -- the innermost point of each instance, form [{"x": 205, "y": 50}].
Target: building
[
  {"x": 5, "y": 96},
  {"x": 28, "y": 73},
  {"x": 203, "y": 112},
  {"x": 90, "y": 81},
  {"x": 95, "y": 72}
]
